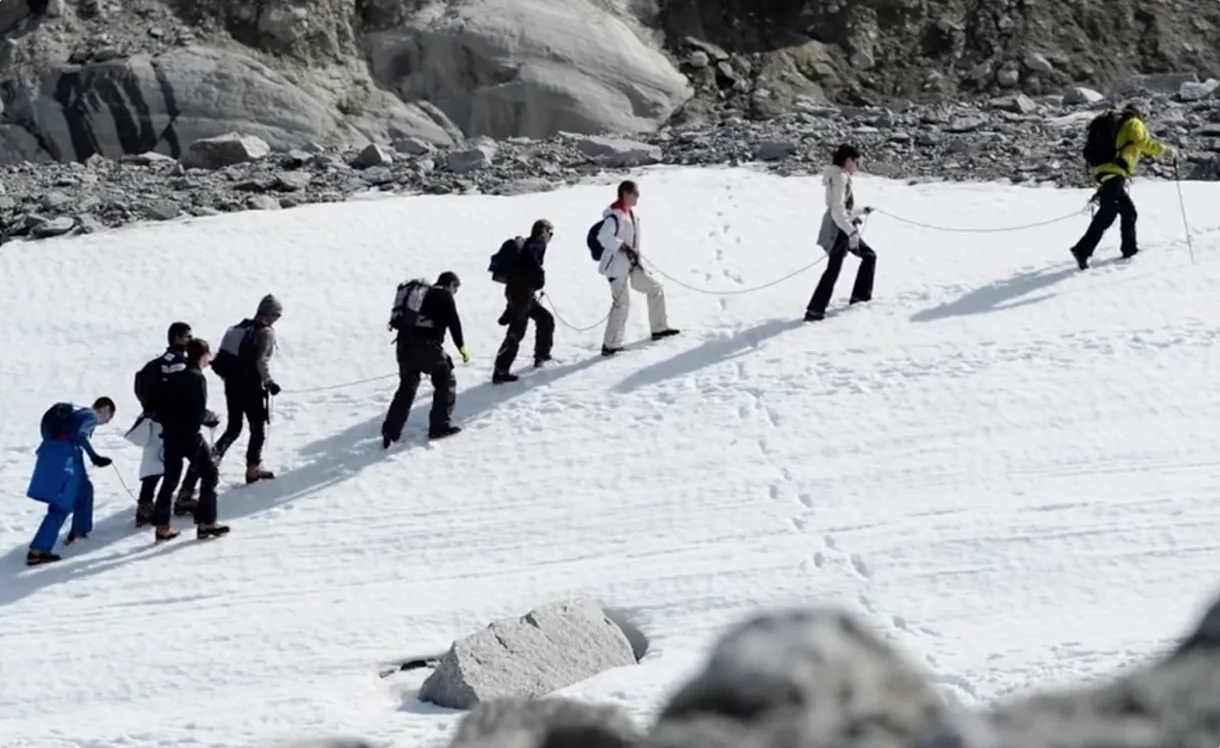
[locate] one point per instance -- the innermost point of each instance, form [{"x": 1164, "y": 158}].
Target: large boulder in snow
[
  {"x": 539, "y": 723},
  {"x": 506, "y": 68},
  {"x": 162, "y": 103},
  {"x": 548, "y": 648}
]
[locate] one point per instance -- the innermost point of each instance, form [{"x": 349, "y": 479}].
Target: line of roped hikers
[{"x": 173, "y": 391}]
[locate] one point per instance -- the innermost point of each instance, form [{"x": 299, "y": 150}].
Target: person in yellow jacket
[{"x": 1112, "y": 170}]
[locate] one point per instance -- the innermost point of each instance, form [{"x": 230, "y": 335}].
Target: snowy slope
[{"x": 1007, "y": 466}]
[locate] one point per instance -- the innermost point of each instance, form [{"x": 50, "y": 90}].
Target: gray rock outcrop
[
  {"x": 505, "y": 68},
  {"x": 96, "y": 77},
  {"x": 549, "y": 648}
]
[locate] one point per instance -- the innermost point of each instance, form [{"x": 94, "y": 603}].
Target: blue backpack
[
  {"x": 595, "y": 247},
  {"x": 57, "y": 421}
]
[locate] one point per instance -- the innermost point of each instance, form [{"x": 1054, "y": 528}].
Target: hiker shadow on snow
[
  {"x": 338, "y": 457},
  {"x": 707, "y": 353},
  {"x": 331, "y": 460},
  {"x": 1007, "y": 294}
]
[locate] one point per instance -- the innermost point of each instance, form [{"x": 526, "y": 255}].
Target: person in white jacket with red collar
[
  {"x": 620, "y": 263},
  {"x": 840, "y": 234}
]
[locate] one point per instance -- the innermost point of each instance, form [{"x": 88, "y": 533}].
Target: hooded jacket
[{"x": 841, "y": 212}]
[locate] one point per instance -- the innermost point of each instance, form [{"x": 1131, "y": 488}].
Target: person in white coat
[
  {"x": 840, "y": 235},
  {"x": 620, "y": 263}
]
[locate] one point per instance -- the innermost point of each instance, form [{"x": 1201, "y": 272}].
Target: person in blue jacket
[{"x": 59, "y": 478}]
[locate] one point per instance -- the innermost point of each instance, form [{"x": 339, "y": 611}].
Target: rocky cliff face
[
  {"x": 115, "y": 77},
  {"x": 869, "y": 51}
]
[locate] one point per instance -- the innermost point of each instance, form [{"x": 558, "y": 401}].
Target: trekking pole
[{"x": 1177, "y": 179}]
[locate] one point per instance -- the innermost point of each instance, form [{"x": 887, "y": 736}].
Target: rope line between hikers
[{"x": 753, "y": 289}]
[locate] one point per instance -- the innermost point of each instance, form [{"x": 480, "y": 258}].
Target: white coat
[
  {"x": 146, "y": 434},
  {"x": 616, "y": 235}
]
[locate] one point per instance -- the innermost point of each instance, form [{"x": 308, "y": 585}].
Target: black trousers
[
  {"x": 192, "y": 448},
  {"x": 863, "y": 288},
  {"x": 523, "y": 307},
  {"x": 417, "y": 358},
  {"x": 244, "y": 402},
  {"x": 1113, "y": 201}
]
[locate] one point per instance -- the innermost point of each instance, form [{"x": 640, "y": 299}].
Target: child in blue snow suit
[{"x": 59, "y": 478}]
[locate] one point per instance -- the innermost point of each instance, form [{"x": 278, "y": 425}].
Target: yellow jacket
[{"x": 1133, "y": 142}]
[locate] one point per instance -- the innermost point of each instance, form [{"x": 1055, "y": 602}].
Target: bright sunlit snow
[{"x": 1005, "y": 465}]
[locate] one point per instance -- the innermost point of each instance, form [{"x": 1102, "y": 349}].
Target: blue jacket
[{"x": 59, "y": 470}]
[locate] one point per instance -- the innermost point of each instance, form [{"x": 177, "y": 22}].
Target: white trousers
[
  {"x": 146, "y": 434},
  {"x": 620, "y": 294}
]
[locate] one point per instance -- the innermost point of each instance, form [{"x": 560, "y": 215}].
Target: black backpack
[
  {"x": 505, "y": 259},
  {"x": 57, "y": 421},
  {"x": 1101, "y": 143},
  {"x": 229, "y": 361},
  {"x": 148, "y": 383},
  {"x": 595, "y": 247}
]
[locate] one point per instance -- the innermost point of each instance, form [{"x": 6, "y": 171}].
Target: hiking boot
[
  {"x": 503, "y": 377},
  {"x": 1129, "y": 253},
  {"x": 254, "y": 474},
  {"x": 144, "y": 514},
  {"x": 815, "y": 316},
  {"x": 666, "y": 333},
  {"x": 443, "y": 431},
  {"x": 213, "y": 530},
  {"x": 386, "y": 441},
  {"x": 75, "y": 536},
  {"x": 185, "y": 504},
  {"x": 165, "y": 532},
  {"x": 1082, "y": 262},
  {"x": 608, "y": 351},
  {"x": 37, "y": 558},
  {"x": 540, "y": 360}
]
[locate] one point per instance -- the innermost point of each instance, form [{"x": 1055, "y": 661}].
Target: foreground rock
[
  {"x": 545, "y": 723},
  {"x": 819, "y": 678},
  {"x": 993, "y": 143},
  {"x": 549, "y": 648}
]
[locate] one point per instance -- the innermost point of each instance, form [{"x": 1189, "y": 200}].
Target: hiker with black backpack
[
  {"x": 421, "y": 314},
  {"x": 1115, "y": 142},
  {"x": 243, "y": 361},
  {"x": 519, "y": 266},
  {"x": 614, "y": 242},
  {"x": 840, "y": 235},
  {"x": 146, "y": 432},
  {"x": 60, "y": 480}
]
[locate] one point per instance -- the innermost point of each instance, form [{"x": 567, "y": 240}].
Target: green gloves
[{"x": 465, "y": 354}]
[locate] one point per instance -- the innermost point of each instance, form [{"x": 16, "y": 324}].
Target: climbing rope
[
  {"x": 340, "y": 386},
  {"x": 1000, "y": 230},
  {"x": 550, "y": 301}
]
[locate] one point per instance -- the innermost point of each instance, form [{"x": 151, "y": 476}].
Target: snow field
[{"x": 1003, "y": 464}]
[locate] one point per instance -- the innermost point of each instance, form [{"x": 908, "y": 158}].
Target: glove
[
  {"x": 1170, "y": 153},
  {"x": 632, "y": 255},
  {"x": 101, "y": 461},
  {"x": 867, "y": 210},
  {"x": 211, "y": 420},
  {"x": 853, "y": 240},
  {"x": 273, "y": 388},
  {"x": 464, "y": 354},
  {"x": 541, "y": 279}
]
